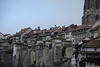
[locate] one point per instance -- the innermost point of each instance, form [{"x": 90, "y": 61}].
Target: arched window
[
  {"x": 88, "y": 4},
  {"x": 97, "y": 17},
  {"x": 91, "y": 3},
  {"x": 97, "y": 4},
  {"x": 87, "y": 18}
]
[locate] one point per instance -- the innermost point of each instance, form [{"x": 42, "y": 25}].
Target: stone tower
[{"x": 91, "y": 11}]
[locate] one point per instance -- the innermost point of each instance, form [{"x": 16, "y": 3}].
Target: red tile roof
[
  {"x": 93, "y": 52},
  {"x": 22, "y": 31},
  {"x": 84, "y": 41},
  {"x": 40, "y": 44},
  {"x": 75, "y": 28},
  {"x": 95, "y": 28},
  {"x": 61, "y": 30},
  {"x": 53, "y": 29},
  {"x": 70, "y": 29},
  {"x": 6, "y": 35},
  {"x": 81, "y": 27},
  {"x": 92, "y": 43}
]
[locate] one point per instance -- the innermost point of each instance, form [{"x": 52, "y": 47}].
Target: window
[
  {"x": 67, "y": 37},
  {"x": 87, "y": 18},
  {"x": 88, "y": 4},
  {"x": 95, "y": 49},
  {"x": 91, "y": 3},
  {"x": 97, "y": 17},
  {"x": 67, "y": 33},
  {"x": 97, "y": 4},
  {"x": 73, "y": 40},
  {"x": 91, "y": 36}
]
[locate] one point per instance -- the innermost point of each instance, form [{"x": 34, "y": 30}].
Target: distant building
[
  {"x": 6, "y": 36},
  {"x": 91, "y": 12},
  {"x": 88, "y": 54},
  {"x": 95, "y": 32},
  {"x": 18, "y": 37},
  {"x": 69, "y": 30},
  {"x": 86, "y": 37},
  {"x": 1, "y": 35},
  {"x": 80, "y": 33}
]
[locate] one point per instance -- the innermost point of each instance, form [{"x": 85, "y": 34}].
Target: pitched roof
[
  {"x": 1, "y": 33},
  {"x": 31, "y": 32},
  {"x": 6, "y": 35},
  {"x": 22, "y": 31},
  {"x": 61, "y": 29},
  {"x": 92, "y": 43},
  {"x": 81, "y": 27},
  {"x": 75, "y": 27},
  {"x": 40, "y": 44},
  {"x": 53, "y": 29},
  {"x": 70, "y": 29},
  {"x": 95, "y": 28},
  {"x": 93, "y": 52}
]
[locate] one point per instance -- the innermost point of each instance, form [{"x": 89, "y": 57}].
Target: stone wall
[
  {"x": 25, "y": 57},
  {"x": 6, "y": 59},
  {"x": 48, "y": 57},
  {"x": 6, "y": 53}
]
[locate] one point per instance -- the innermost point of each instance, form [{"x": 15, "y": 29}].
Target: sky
[{"x": 18, "y": 14}]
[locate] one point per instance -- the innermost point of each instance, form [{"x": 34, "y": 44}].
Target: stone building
[
  {"x": 68, "y": 31},
  {"x": 87, "y": 54},
  {"x": 1, "y": 35},
  {"x": 6, "y": 53},
  {"x": 18, "y": 37},
  {"x": 95, "y": 32},
  {"x": 67, "y": 56},
  {"x": 80, "y": 33},
  {"x": 91, "y": 12},
  {"x": 85, "y": 50}
]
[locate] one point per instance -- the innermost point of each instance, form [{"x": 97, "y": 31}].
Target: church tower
[{"x": 91, "y": 11}]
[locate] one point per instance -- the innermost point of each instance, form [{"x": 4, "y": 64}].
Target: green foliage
[{"x": 63, "y": 51}]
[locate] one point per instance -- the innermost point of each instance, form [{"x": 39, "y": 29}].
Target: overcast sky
[{"x": 19, "y": 14}]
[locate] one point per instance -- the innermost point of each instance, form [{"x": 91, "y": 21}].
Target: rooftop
[{"x": 92, "y": 43}]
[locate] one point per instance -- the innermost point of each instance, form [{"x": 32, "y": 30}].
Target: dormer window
[{"x": 88, "y": 4}]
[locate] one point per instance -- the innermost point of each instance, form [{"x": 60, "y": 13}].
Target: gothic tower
[{"x": 91, "y": 11}]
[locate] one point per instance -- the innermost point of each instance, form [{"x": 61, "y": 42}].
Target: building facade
[{"x": 91, "y": 11}]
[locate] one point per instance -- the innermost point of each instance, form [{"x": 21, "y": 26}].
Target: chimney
[
  {"x": 38, "y": 27},
  {"x": 63, "y": 26}
]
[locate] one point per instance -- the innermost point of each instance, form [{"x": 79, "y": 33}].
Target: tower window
[
  {"x": 88, "y": 4},
  {"x": 97, "y": 4},
  {"x": 97, "y": 17}
]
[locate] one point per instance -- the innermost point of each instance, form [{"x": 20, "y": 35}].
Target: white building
[
  {"x": 88, "y": 54},
  {"x": 1, "y": 35}
]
